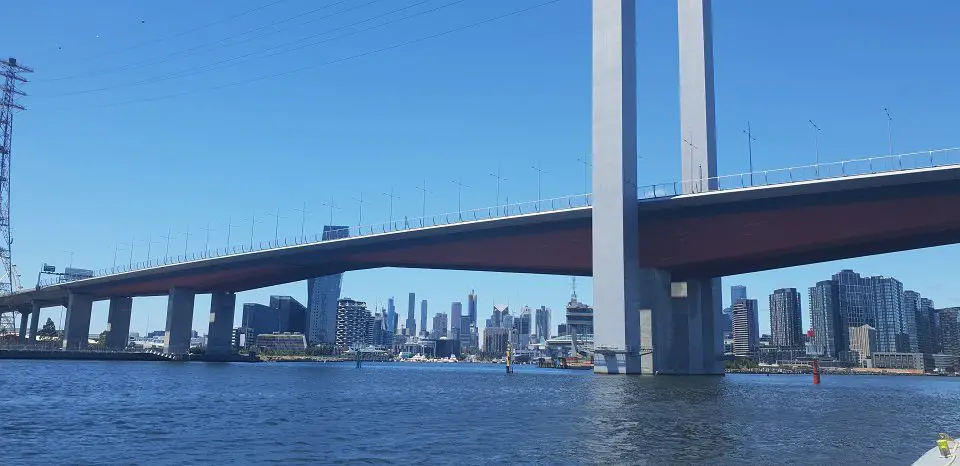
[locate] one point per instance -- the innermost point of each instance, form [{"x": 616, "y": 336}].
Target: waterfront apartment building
[
  {"x": 863, "y": 343},
  {"x": 928, "y": 328},
  {"x": 352, "y": 323},
  {"x": 896, "y": 329},
  {"x": 322, "y": 295},
  {"x": 284, "y": 315},
  {"x": 950, "y": 330},
  {"x": 746, "y": 330},
  {"x": 495, "y": 340},
  {"x": 786, "y": 326}
]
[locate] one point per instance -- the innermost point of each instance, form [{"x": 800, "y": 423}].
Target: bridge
[{"x": 655, "y": 252}]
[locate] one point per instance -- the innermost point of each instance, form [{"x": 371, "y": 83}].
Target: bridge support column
[
  {"x": 118, "y": 322},
  {"x": 76, "y": 328},
  {"x": 34, "y": 322},
  {"x": 176, "y": 340},
  {"x": 222, "y": 308},
  {"x": 23, "y": 326},
  {"x": 615, "y": 229}
]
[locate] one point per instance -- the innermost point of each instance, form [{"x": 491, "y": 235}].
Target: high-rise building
[
  {"x": 542, "y": 319},
  {"x": 495, "y": 341},
  {"x": 737, "y": 292},
  {"x": 949, "y": 330},
  {"x": 322, "y": 295},
  {"x": 928, "y": 330},
  {"x": 472, "y": 307},
  {"x": 411, "y": 315},
  {"x": 465, "y": 336},
  {"x": 825, "y": 319},
  {"x": 456, "y": 314},
  {"x": 392, "y": 319},
  {"x": 786, "y": 326},
  {"x": 863, "y": 343},
  {"x": 746, "y": 328},
  {"x": 496, "y": 319},
  {"x": 856, "y": 307},
  {"x": 523, "y": 325},
  {"x": 423, "y": 317},
  {"x": 896, "y": 329},
  {"x": 439, "y": 325},
  {"x": 353, "y": 323},
  {"x": 284, "y": 314},
  {"x": 579, "y": 317}
]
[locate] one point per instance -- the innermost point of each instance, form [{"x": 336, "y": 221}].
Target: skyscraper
[
  {"x": 523, "y": 325},
  {"x": 825, "y": 319},
  {"x": 863, "y": 342},
  {"x": 353, "y": 323},
  {"x": 737, "y": 292},
  {"x": 439, "y": 325},
  {"x": 893, "y": 329},
  {"x": 472, "y": 307},
  {"x": 456, "y": 313},
  {"x": 423, "y": 316},
  {"x": 786, "y": 327},
  {"x": 950, "y": 330},
  {"x": 855, "y": 295},
  {"x": 391, "y": 316},
  {"x": 411, "y": 315},
  {"x": 542, "y": 319},
  {"x": 322, "y": 295},
  {"x": 746, "y": 328},
  {"x": 928, "y": 332}
]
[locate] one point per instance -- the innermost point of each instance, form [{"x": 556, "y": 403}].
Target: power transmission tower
[{"x": 12, "y": 73}]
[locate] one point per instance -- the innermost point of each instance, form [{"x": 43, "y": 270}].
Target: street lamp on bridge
[{"x": 816, "y": 141}]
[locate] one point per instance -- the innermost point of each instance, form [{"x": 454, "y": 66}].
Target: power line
[
  {"x": 186, "y": 52},
  {"x": 237, "y": 60},
  {"x": 332, "y": 62},
  {"x": 191, "y": 30}
]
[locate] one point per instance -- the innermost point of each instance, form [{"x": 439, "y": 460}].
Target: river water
[{"x": 64, "y": 412}]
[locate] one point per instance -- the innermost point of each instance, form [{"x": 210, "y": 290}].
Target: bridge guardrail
[{"x": 822, "y": 171}]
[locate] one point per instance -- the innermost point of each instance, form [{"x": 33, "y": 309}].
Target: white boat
[{"x": 944, "y": 454}]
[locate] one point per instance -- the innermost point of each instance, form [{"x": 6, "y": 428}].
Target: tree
[{"x": 49, "y": 329}]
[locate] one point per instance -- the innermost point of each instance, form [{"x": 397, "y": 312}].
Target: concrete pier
[
  {"x": 118, "y": 322},
  {"x": 34, "y": 322},
  {"x": 76, "y": 327},
  {"x": 24, "y": 315},
  {"x": 220, "y": 332},
  {"x": 179, "y": 329},
  {"x": 615, "y": 261}
]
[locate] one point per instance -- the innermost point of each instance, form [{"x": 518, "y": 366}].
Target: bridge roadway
[{"x": 714, "y": 233}]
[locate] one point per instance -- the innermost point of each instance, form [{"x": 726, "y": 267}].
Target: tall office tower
[
  {"x": 524, "y": 325},
  {"x": 855, "y": 304},
  {"x": 472, "y": 307},
  {"x": 467, "y": 330},
  {"x": 928, "y": 332},
  {"x": 737, "y": 292},
  {"x": 949, "y": 330},
  {"x": 423, "y": 317},
  {"x": 322, "y": 295},
  {"x": 456, "y": 314},
  {"x": 412, "y": 315},
  {"x": 896, "y": 329},
  {"x": 439, "y": 325},
  {"x": 542, "y": 319},
  {"x": 786, "y": 324},
  {"x": 746, "y": 328},
  {"x": 392, "y": 319},
  {"x": 825, "y": 319},
  {"x": 496, "y": 320},
  {"x": 353, "y": 323}
]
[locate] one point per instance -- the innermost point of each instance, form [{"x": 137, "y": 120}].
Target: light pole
[
  {"x": 149, "y": 248},
  {"x": 392, "y": 197},
  {"x": 276, "y": 225},
  {"x": 460, "y": 186},
  {"x": 360, "y": 203},
  {"x": 500, "y": 180},
  {"x": 586, "y": 173},
  {"x": 332, "y": 205},
  {"x": 689, "y": 142},
  {"x": 206, "y": 242},
  {"x": 130, "y": 261},
  {"x": 423, "y": 203},
  {"x": 889, "y": 130},
  {"x": 303, "y": 219},
  {"x": 169, "y": 236},
  {"x": 253, "y": 224},
  {"x": 750, "y": 140},
  {"x": 540, "y": 173},
  {"x": 186, "y": 242},
  {"x": 816, "y": 141}
]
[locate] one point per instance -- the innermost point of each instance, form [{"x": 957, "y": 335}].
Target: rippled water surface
[{"x": 60, "y": 412}]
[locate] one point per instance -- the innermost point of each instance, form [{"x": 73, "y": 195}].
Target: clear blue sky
[{"x": 139, "y": 140}]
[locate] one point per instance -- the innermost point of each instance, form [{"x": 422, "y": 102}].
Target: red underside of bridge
[
  {"x": 709, "y": 237},
  {"x": 693, "y": 242}
]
